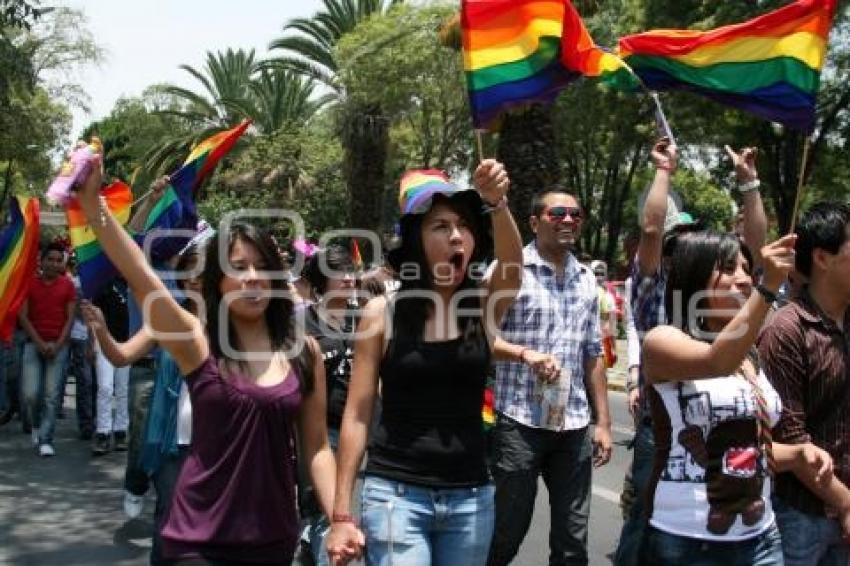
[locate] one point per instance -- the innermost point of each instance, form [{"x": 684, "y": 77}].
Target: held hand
[
  {"x": 345, "y": 542},
  {"x": 817, "y": 459},
  {"x": 491, "y": 181},
  {"x": 158, "y": 187},
  {"x": 92, "y": 316},
  {"x": 50, "y": 350},
  {"x": 665, "y": 155},
  {"x": 778, "y": 261},
  {"x": 601, "y": 445},
  {"x": 545, "y": 366},
  {"x": 634, "y": 402},
  {"x": 744, "y": 163}
]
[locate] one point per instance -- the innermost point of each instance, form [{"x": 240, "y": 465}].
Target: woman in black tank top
[{"x": 427, "y": 497}]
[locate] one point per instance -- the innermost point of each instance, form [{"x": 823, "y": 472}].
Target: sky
[{"x": 145, "y": 41}]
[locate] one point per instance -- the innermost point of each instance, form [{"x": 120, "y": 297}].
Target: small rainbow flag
[
  {"x": 356, "y": 258},
  {"x": 768, "y": 66},
  {"x": 93, "y": 267},
  {"x": 488, "y": 412},
  {"x": 176, "y": 209},
  {"x": 18, "y": 258},
  {"x": 511, "y": 55}
]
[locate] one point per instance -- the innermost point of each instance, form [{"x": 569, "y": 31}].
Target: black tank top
[{"x": 430, "y": 430}]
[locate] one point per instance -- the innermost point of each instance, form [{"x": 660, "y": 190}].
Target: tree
[{"x": 363, "y": 127}]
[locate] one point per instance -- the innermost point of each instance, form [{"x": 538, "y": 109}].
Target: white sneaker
[
  {"x": 133, "y": 504},
  {"x": 34, "y": 437},
  {"x": 46, "y": 451}
]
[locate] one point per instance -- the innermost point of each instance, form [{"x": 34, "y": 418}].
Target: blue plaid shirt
[
  {"x": 555, "y": 317},
  {"x": 647, "y": 302}
]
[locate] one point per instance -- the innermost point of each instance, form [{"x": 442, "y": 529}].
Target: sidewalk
[{"x": 66, "y": 510}]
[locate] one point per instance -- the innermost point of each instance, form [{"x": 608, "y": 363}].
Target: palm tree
[{"x": 309, "y": 51}]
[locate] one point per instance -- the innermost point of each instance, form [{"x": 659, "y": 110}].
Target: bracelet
[
  {"x": 343, "y": 518},
  {"x": 500, "y": 204},
  {"x": 749, "y": 186},
  {"x": 768, "y": 295},
  {"x": 522, "y": 355}
]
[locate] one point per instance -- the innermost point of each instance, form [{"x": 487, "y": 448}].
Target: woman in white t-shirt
[{"x": 709, "y": 493}]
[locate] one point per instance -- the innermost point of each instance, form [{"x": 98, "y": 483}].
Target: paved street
[{"x": 68, "y": 510}]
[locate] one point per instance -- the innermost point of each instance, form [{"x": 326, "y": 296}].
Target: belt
[{"x": 147, "y": 363}]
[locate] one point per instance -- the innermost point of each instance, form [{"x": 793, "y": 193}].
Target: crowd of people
[{"x": 248, "y": 400}]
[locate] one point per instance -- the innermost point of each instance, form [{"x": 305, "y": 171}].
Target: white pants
[{"x": 111, "y": 381}]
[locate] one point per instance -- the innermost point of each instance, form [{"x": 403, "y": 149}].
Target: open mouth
[{"x": 456, "y": 260}]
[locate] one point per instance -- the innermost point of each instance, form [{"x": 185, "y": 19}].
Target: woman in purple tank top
[
  {"x": 427, "y": 497},
  {"x": 251, "y": 384}
]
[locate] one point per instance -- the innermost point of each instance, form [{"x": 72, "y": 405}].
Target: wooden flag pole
[
  {"x": 800, "y": 182},
  {"x": 480, "y": 144}
]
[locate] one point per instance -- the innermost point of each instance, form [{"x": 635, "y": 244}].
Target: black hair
[
  {"x": 823, "y": 226},
  {"x": 335, "y": 257},
  {"x": 537, "y": 202},
  {"x": 280, "y": 320},
  {"x": 53, "y": 247},
  {"x": 411, "y": 312},
  {"x": 696, "y": 256}
]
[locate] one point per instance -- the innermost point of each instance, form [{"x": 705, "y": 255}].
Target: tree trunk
[
  {"x": 527, "y": 147},
  {"x": 365, "y": 138},
  {"x": 6, "y": 185}
]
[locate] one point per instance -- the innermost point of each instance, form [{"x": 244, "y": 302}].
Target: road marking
[{"x": 606, "y": 494}]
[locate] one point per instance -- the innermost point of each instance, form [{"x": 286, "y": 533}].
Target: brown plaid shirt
[{"x": 806, "y": 356}]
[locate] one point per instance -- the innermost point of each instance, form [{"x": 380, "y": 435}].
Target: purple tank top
[{"x": 235, "y": 498}]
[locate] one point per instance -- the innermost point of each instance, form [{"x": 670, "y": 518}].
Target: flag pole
[
  {"x": 479, "y": 142},
  {"x": 800, "y": 183},
  {"x": 660, "y": 117}
]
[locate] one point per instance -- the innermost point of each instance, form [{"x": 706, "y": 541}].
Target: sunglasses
[{"x": 560, "y": 213}]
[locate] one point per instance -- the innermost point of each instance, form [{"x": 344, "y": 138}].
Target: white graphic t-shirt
[{"x": 711, "y": 478}]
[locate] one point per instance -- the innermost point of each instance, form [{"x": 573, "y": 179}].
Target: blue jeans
[
  {"x": 664, "y": 549},
  {"x": 408, "y": 525},
  {"x": 5, "y": 383},
  {"x": 164, "y": 480},
  {"x": 520, "y": 455},
  {"x": 633, "y": 533},
  {"x": 809, "y": 540},
  {"x": 317, "y": 527},
  {"x": 136, "y": 479},
  {"x": 40, "y": 387}
]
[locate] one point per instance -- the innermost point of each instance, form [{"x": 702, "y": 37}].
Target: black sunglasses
[{"x": 559, "y": 213}]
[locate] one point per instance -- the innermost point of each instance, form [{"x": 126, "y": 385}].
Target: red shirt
[{"x": 48, "y": 305}]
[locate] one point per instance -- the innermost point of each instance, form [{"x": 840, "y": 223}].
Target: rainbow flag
[
  {"x": 176, "y": 209},
  {"x": 18, "y": 258},
  {"x": 579, "y": 53},
  {"x": 511, "y": 55},
  {"x": 356, "y": 258},
  {"x": 488, "y": 411},
  {"x": 93, "y": 267},
  {"x": 768, "y": 66}
]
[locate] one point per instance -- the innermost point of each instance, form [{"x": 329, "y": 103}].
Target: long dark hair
[
  {"x": 411, "y": 312},
  {"x": 279, "y": 313},
  {"x": 695, "y": 258}
]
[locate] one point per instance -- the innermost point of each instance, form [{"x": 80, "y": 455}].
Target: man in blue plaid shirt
[{"x": 549, "y": 364}]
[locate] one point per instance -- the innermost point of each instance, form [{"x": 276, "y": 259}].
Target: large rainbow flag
[
  {"x": 768, "y": 66},
  {"x": 18, "y": 257},
  {"x": 93, "y": 267},
  {"x": 579, "y": 53},
  {"x": 511, "y": 55},
  {"x": 176, "y": 209}
]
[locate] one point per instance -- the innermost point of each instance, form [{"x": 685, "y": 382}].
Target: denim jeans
[
  {"x": 318, "y": 525},
  {"x": 164, "y": 480},
  {"x": 809, "y": 540},
  {"x": 5, "y": 385},
  {"x": 136, "y": 480},
  {"x": 665, "y": 549},
  {"x": 633, "y": 533},
  {"x": 40, "y": 387},
  {"x": 408, "y": 525},
  {"x": 80, "y": 366},
  {"x": 521, "y": 454}
]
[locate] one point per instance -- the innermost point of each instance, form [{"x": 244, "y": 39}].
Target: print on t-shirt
[{"x": 719, "y": 446}]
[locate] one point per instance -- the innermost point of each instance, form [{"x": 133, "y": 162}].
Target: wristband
[
  {"x": 500, "y": 204},
  {"x": 343, "y": 518},
  {"x": 768, "y": 295},
  {"x": 749, "y": 186}
]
